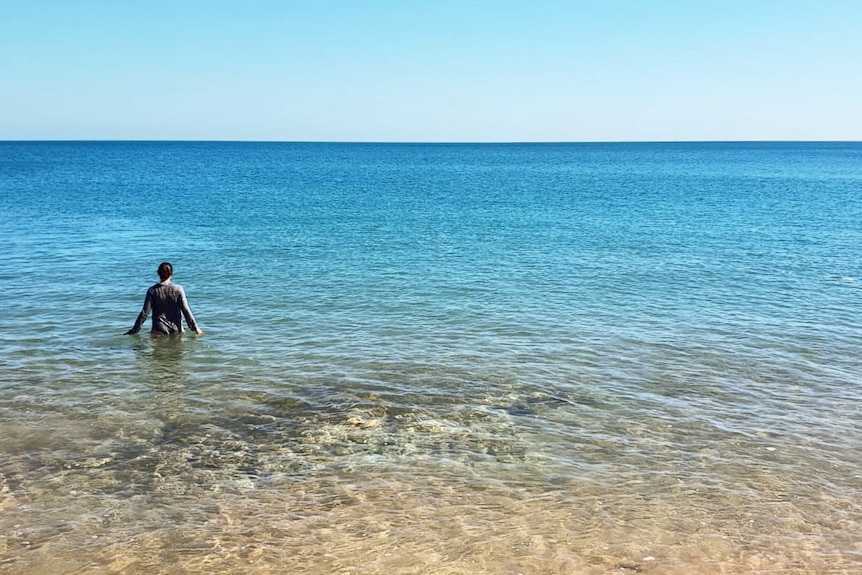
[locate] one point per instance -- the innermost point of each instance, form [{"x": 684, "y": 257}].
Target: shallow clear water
[{"x": 593, "y": 358}]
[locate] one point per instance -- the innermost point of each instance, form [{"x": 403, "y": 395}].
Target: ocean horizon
[
  {"x": 414, "y": 142},
  {"x": 439, "y": 358}
]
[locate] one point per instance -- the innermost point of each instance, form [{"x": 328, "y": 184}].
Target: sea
[{"x": 436, "y": 359}]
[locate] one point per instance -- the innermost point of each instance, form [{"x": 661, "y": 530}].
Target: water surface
[{"x": 507, "y": 359}]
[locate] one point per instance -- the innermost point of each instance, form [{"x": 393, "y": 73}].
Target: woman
[{"x": 168, "y": 303}]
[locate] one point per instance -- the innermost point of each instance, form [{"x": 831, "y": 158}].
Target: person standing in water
[{"x": 168, "y": 303}]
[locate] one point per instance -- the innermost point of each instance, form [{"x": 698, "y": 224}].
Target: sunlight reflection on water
[{"x": 329, "y": 475}]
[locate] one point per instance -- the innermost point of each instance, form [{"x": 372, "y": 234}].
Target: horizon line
[{"x": 419, "y": 142}]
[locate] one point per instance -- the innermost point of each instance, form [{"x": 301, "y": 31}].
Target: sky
[{"x": 431, "y": 70}]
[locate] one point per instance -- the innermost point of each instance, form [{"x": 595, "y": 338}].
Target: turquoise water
[{"x": 544, "y": 358}]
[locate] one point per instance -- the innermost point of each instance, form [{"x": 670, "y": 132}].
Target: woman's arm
[
  {"x": 187, "y": 313},
  {"x": 142, "y": 317}
]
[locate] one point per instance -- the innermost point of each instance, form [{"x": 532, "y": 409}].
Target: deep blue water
[{"x": 639, "y": 350}]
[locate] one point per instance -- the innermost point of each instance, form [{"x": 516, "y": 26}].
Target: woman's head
[{"x": 165, "y": 270}]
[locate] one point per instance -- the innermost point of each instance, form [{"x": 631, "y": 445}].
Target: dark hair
[{"x": 166, "y": 270}]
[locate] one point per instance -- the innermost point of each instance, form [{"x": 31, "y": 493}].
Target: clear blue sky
[{"x": 431, "y": 70}]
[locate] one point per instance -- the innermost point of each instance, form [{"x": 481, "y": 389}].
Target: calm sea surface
[{"x": 433, "y": 359}]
